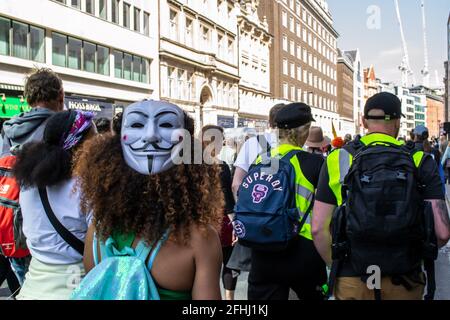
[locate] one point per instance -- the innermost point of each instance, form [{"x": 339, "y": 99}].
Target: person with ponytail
[{"x": 53, "y": 223}]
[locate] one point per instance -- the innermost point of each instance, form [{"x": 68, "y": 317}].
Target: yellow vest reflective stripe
[
  {"x": 340, "y": 161},
  {"x": 304, "y": 189}
]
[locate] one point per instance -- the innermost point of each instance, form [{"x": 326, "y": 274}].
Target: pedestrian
[
  {"x": 143, "y": 200},
  {"x": 7, "y": 273},
  {"x": 381, "y": 217},
  {"x": 265, "y": 198},
  {"x": 213, "y": 135},
  {"x": 316, "y": 142},
  {"x": 53, "y": 223},
  {"x": 103, "y": 125},
  {"x": 116, "y": 123},
  {"x": 252, "y": 147},
  {"x": 247, "y": 154},
  {"x": 443, "y": 143},
  {"x": 445, "y": 162},
  {"x": 347, "y": 138},
  {"x": 44, "y": 93}
]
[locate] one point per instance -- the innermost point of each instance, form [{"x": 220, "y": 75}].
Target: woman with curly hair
[
  {"x": 138, "y": 196},
  {"x": 53, "y": 223}
]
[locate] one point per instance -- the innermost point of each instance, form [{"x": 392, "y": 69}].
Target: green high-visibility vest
[
  {"x": 340, "y": 161},
  {"x": 304, "y": 189}
]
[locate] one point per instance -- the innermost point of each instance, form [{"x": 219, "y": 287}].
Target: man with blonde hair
[{"x": 295, "y": 264}]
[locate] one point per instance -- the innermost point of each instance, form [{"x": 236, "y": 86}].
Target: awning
[{"x": 11, "y": 87}]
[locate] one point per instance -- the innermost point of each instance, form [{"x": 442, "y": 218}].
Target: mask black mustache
[{"x": 154, "y": 145}]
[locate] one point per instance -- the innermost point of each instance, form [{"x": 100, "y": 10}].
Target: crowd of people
[{"x": 104, "y": 209}]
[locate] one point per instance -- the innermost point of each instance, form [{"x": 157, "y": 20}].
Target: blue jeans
[{"x": 20, "y": 267}]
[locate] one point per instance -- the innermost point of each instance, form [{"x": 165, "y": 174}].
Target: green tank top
[{"x": 126, "y": 240}]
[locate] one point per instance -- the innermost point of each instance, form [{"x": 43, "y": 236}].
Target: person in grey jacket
[{"x": 45, "y": 95}]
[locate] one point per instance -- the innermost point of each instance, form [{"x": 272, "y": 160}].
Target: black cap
[
  {"x": 389, "y": 103},
  {"x": 293, "y": 115}
]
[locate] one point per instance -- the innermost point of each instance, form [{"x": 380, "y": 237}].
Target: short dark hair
[
  {"x": 116, "y": 124},
  {"x": 42, "y": 85},
  {"x": 103, "y": 125},
  {"x": 273, "y": 112}
]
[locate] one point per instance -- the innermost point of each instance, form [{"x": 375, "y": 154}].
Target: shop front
[
  {"x": 253, "y": 123},
  {"x": 101, "y": 109},
  {"x": 12, "y": 106}
]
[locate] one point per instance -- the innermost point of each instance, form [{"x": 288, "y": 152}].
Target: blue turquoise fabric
[{"x": 121, "y": 275}]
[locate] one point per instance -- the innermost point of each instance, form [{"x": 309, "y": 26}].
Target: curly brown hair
[
  {"x": 124, "y": 201},
  {"x": 42, "y": 85}
]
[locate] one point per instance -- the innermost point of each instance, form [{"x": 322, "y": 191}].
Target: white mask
[{"x": 151, "y": 130}]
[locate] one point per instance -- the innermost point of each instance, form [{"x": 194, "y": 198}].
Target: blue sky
[{"x": 382, "y": 47}]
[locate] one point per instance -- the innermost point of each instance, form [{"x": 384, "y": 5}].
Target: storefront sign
[
  {"x": 252, "y": 123},
  {"x": 12, "y": 106},
  {"x": 225, "y": 122},
  {"x": 101, "y": 109}
]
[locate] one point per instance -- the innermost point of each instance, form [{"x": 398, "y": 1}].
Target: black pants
[
  {"x": 229, "y": 282},
  {"x": 299, "y": 268},
  {"x": 6, "y": 273}
]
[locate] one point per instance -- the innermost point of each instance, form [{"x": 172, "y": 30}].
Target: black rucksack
[{"x": 383, "y": 221}]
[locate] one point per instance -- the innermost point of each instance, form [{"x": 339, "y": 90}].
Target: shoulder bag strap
[{"x": 67, "y": 236}]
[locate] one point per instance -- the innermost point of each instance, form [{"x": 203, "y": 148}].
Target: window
[
  {"x": 189, "y": 32},
  {"x": 115, "y": 11},
  {"x": 284, "y": 18},
  {"x": 299, "y": 73},
  {"x": 75, "y": 4},
  {"x": 285, "y": 91},
  {"x": 285, "y": 67},
  {"x": 137, "y": 61},
  {"x": 80, "y": 55},
  {"x": 205, "y": 38},
  {"x": 90, "y": 6},
  {"x": 146, "y": 24},
  {"x": 299, "y": 52},
  {"x": 118, "y": 59},
  {"x": 292, "y": 47},
  {"x": 89, "y": 57},
  {"x": 126, "y": 15},
  {"x": 137, "y": 19},
  {"x": 285, "y": 43},
  {"x": 298, "y": 30},
  {"x": 292, "y": 70},
  {"x": 230, "y": 51},
  {"x": 102, "y": 9},
  {"x": 293, "y": 93},
  {"x": 173, "y": 17},
  {"x": 102, "y": 60},
  {"x": 37, "y": 47},
  {"x": 292, "y": 24},
  {"x": 129, "y": 67},
  {"x": 220, "y": 49},
  {"x": 59, "y": 49},
  {"x": 20, "y": 34},
  {"x": 5, "y": 26},
  {"x": 74, "y": 53}
]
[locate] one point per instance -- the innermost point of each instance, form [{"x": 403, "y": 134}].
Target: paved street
[{"x": 442, "y": 276}]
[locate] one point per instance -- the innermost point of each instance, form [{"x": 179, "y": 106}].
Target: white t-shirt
[
  {"x": 44, "y": 242},
  {"x": 251, "y": 149}
]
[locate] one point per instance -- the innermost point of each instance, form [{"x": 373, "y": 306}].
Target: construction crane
[
  {"x": 405, "y": 66},
  {"x": 425, "y": 71}
]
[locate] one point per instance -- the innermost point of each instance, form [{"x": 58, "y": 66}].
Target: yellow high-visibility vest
[{"x": 340, "y": 161}]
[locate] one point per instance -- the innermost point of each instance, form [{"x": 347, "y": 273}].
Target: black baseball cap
[
  {"x": 293, "y": 115},
  {"x": 388, "y": 102}
]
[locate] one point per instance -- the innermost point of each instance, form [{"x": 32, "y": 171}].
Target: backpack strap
[
  {"x": 156, "y": 249},
  {"x": 67, "y": 236}
]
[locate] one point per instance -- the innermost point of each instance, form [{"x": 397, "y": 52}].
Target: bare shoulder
[{"x": 204, "y": 238}]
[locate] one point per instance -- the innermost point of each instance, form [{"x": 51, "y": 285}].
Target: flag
[{"x": 333, "y": 129}]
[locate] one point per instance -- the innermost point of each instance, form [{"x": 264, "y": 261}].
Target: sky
[{"x": 382, "y": 46}]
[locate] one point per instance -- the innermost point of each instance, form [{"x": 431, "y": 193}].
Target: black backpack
[{"x": 383, "y": 221}]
